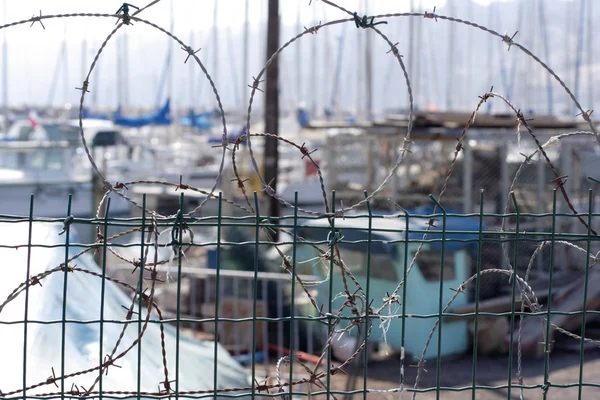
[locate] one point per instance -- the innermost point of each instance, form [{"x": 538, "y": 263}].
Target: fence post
[{"x": 467, "y": 177}]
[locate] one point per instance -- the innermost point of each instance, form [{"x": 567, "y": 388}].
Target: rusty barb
[
  {"x": 35, "y": 19},
  {"x": 52, "y": 379},
  {"x": 313, "y": 29},
  {"x": 154, "y": 276},
  {"x": 528, "y": 158},
  {"x": 406, "y": 146},
  {"x": 430, "y": 15},
  {"x": 121, "y": 185},
  {"x": 459, "y": 145},
  {"x": 419, "y": 365},
  {"x": 394, "y": 50},
  {"x": 109, "y": 362},
  {"x": 268, "y": 189},
  {"x": 182, "y": 185},
  {"x": 560, "y": 180},
  {"x": 84, "y": 86},
  {"x": 521, "y": 118},
  {"x": 34, "y": 280},
  {"x": 461, "y": 289},
  {"x": 509, "y": 39},
  {"x": 305, "y": 152},
  {"x": 431, "y": 222},
  {"x": 130, "y": 312},
  {"x": 487, "y": 95},
  {"x": 190, "y": 51},
  {"x": 255, "y": 84},
  {"x": 585, "y": 114},
  {"x": 240, "y": 182},
  {"x": 166, "y": 386},
  {"x": 262, "y": 387},
  {"x": 224, "y": 141}
]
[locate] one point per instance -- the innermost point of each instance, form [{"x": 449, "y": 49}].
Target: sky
[
  {"x": 196, "y": 14},
  {"x": 34, "y": 53}
]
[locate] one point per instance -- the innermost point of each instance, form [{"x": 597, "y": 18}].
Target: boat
[
  {"x": 45, "y": 159},
  {"x": 391, "y": 244}
]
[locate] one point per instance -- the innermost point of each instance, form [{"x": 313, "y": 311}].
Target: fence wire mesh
[{"x": 325, "y": 292}]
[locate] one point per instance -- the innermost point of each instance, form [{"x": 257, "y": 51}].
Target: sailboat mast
[
  {"x": 192, "y": 86},
  {"x": 579, "y": 55},
  {"x": 94, "y": 94},
  {"x": 542, "y": 15},
  {"x": 119, "y": 71},
  {"x": 313, "y": 66},
  {"x": 411, "y": 46},
  {"x": 590, "y": 53},
  {"x": 125, "y": 81},
  {"x": 245, "y": 76},
  {"x": 450, "y": 77},
  {"x": 168, "y": 71},
  {"x": 298, "y": 55},
  {"x": 490, "y": 54},
  {"x": 359, "y": 76},
  {"x": 83, "y": 59},
  {"x": 417, "y": 76},
  {"x": 5, "y": 71},
  {"x": 215, "y": 63},
  {"x": 369, "y": 68},
  {"x": 65, "y": 68}
]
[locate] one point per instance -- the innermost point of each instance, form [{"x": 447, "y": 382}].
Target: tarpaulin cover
[{"x": 82, "y": 333}]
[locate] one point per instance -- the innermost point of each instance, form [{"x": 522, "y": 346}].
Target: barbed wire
[{"x": 355, "y": 300}]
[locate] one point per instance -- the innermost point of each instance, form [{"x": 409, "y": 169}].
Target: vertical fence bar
[
  {"x": 477, "y": 291},
  {"x": 179, "y": 225},
  {"x": 102, "y": 294},
  {"x": 467, "y": 171},
  {"x": 280, "y": 322},
  {"x": 542, "y": 205},
  {"x": 140, "y": 290},
  {"x": 265, "y": 331},
  {"x": 193, "y": 301},
  {"x": 293, "y": 289},
  {"x": 217, "y": 287},
  {"x": 585, "y": 291},
  {"x": 441, "y": 300},
  {"x": 255, "y": 292},
  {"x": 63, "y": 349},
  {"x": 28, "y": 273},
  {"x": 504, "y": 188},
  {"x": 403, "y": 320},
  {"x": 236, "y": 314},
  {"x": 546, "y": 386},
  {"x": 513, "y": 293},
  {"x": 332, "y": 245},
  {"x": 367, "y": 295}
]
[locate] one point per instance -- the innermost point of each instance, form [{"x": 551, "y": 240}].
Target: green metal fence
[
  {"x": 367, "y": 291},
  {"x": 422, "y": 303}
]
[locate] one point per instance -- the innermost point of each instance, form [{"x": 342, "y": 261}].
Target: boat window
[
  {"x": 24, "y": 132},
  {"x": 107, "y": 138},
  {"x": 382, "y": 264},
  {"x": 45, "y": 159},
  {"x": 429, "y": 262},
  {"x": 57, "y": 132}
]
